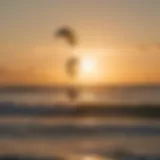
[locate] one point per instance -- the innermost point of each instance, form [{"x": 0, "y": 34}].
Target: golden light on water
[
  {"x": 90, "y": 158},
  {"x": 93, "y": 158}
]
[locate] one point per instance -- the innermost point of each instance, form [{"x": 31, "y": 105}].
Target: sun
[{"x": 87, "y": 66}]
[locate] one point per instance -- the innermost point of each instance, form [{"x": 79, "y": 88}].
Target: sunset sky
[{"x": 121, "y": 38}]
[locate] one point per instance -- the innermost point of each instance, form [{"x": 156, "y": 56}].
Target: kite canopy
[
  {"x": 68, "y": 34},
  {"x": 72, "y": 66}
]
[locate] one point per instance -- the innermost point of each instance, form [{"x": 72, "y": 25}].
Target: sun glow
[
  {"x": 89, "y": 71},
  {"x": 87, "y": 66}
]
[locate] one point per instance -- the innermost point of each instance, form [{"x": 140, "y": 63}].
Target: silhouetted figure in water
[{"x": 72, "y": 93}]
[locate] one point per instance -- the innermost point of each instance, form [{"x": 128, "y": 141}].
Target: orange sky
[{"x": 122, "y": 37}]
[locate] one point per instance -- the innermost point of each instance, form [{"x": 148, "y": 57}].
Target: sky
[{"x": 121, "y": 38}]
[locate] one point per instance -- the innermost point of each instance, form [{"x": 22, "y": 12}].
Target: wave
[{"x": 80, "y": 110}]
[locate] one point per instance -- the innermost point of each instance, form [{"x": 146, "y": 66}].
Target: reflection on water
[
  {"x": 110, "y": 95},
  {"x": 68, "y": 137}
]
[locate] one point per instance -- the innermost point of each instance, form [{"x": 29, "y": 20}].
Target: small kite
[{"x": 68, "y": 34}]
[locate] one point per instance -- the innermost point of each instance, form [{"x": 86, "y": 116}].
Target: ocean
[
  {"x": 102, "y": 123},
  {"x": 131, "y": 95}
]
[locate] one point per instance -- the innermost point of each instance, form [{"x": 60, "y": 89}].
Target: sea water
[{"x": 79, "y": 137}]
